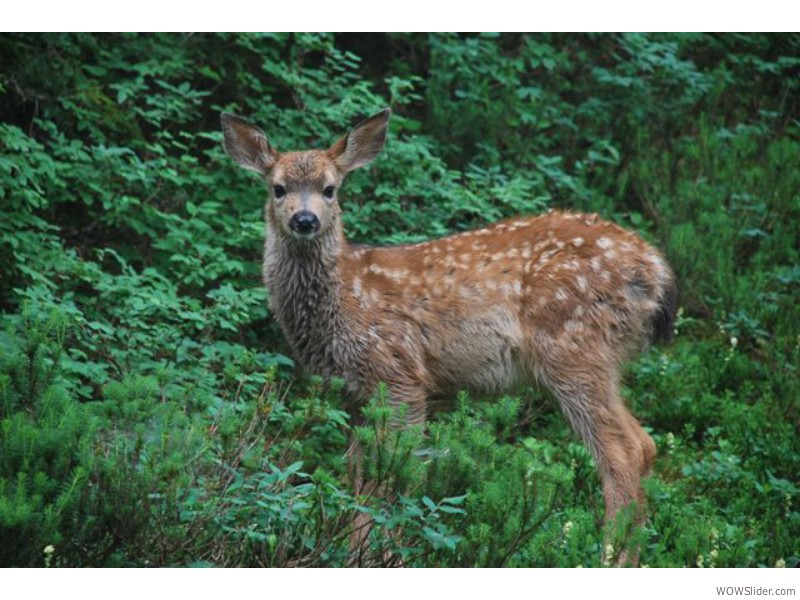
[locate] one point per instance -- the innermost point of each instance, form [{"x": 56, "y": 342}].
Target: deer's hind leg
[
  {"x": 587, "y": 391},
  {"x": 647, "y": 446}
]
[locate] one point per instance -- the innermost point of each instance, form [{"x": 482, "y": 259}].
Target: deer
[{"x": 560, "y": 300}]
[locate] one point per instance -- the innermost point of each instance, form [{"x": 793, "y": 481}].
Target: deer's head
[{"x": 303, "y": 185}]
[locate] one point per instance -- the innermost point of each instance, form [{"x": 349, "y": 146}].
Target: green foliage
[
  {"x": 150, "y": 412},
  {"x": 45, "y": 444}
]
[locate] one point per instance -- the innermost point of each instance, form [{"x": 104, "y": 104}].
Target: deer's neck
[{"x": 305, "y": 286}]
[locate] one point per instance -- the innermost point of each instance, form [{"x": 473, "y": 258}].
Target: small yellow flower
[
  {"x": 609, "y": 555},
  {"x": 567, "y": 528},
  {"x": 712, "y": 558},
  {"x": 49, "y": 549},
  {"x": 780, "y": 564}
]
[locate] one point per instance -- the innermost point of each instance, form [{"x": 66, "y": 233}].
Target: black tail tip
[{"x": 663, "y": 323}]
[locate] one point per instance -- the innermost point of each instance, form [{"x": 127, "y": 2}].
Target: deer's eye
[
  {"x": 328, "y": 192},
  {"x": 279, "y": 191}
]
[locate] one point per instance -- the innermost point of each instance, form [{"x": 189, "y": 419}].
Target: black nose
[{"x": 304, "y": 222}]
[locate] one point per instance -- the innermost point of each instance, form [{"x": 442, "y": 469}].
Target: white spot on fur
[
  {"x": 561, "y": 294},
  {"x": 661, "y": 270},
  {"x": 582, "y": 286},
  {"x": 604, "y": 242},
  {"x": 465, "y": 261},
  {"x": 365, "y": 301},
  {"x": 397, "y": 275},
  {"x": 546, "y": 256},
  {"x": 578, "y": 242}
]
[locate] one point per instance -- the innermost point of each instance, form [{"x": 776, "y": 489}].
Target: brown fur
[{"x": 562, "y": 299}]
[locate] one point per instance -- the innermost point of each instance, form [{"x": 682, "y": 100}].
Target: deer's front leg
[{"x": 409, "y": 404}]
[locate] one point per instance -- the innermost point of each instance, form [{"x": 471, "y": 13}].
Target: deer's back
[{"x": 486, "y": 308}]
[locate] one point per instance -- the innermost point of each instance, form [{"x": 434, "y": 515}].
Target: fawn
[{"x": 561, "y": 299}]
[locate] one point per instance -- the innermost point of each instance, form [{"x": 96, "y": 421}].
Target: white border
[
  {"x": 408, "y": 15},
  {"x": 400, "y": 584}
]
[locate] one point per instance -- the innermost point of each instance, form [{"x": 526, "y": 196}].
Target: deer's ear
[
  {"x": 247, "y": 144},
  {"x": 362, "y": 144}
]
